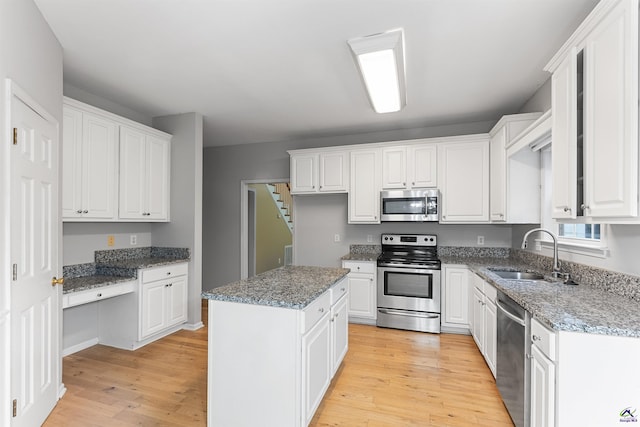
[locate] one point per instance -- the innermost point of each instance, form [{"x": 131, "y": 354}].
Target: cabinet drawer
[
  {"x": 338, "y": 290},
  {"x": 360, "y": 266},
  {"x": 96, "y": 294},
  {"x": 544, "y": 339},
  {"x": 490, "y": 292},
  {"x": 164, "y": 272},
  {"x": 314, "y": 311}
]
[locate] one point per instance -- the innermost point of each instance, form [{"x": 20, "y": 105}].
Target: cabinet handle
[
  {"x": 99, "y": 295},
  {"x": 404, "y": 184},
  {"x": 85, "y": 211},
  {"x": 567, "y": 209},
  {"x": 342, "y": 289},
  {"x": 584, "y": 207},
  {"x": 168, "y": 273},
  {"x": 413, "y": 183},
  {"x": 358, "y": 268},
  {"x": 535, "y": 338},
  {"x": 79, "y": 211},
  {"x": 371, "y": 279},
  {"x": 321, "y": 310}
]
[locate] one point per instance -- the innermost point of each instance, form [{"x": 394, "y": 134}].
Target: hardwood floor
[{"x": 388, "y": 378}]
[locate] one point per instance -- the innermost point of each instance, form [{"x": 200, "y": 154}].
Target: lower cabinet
[
  {"x": 156, "y": 308},
  {"x": 454, "y": 298},
  {"x": 543, "y": 375},
  {"x": 283, "y": 359},
  {"x": 484, "y": 326},
  {"x": 362, "y": 282}
]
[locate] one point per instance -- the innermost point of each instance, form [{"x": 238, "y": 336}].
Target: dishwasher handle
[
  {"x": 408, "y": 313},
  {"x": 506, "y": 312}
]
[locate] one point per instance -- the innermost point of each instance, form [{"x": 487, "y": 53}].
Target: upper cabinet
[
  {"x": 595, "y": 117},
  {"x": 89, "y": 172},
  {"x": 463, "y": 179},
  {"x": 144, "y": 176},
  {"x": 515, "y": 179},
  {"x": 113, "y": 168},
  {"x": 364, "y": 194},
  {"x": 319, "y": 172},
  {"x": 408, "y": 167}
]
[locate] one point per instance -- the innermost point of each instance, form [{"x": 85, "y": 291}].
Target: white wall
[
  {"x": 81, "y": 240},
  {"x": 318, "y": 218},
  {"x": 185, "y": 228}
]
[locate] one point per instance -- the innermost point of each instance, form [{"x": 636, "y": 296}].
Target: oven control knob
[
  {"x": 431, "y": 239},
  {"x": 386, "y": 238},
  {"x": 390, "y": 238}
]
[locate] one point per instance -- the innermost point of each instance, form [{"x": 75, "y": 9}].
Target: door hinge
[
  {"x": 15, "y": 408},
  {"x": 15, "y": 136},
  {"x": 15, "y": 272}
]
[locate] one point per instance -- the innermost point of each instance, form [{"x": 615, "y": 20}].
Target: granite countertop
[
  {"x": 118, "y": 265},
  {"x": 288, "y": 287},
  {"x": 366, "y": 256},
  {"x": 561, "y": 307}
]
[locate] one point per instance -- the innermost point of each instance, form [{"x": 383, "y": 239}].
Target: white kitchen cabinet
[
  {"x": 455, "y": 288},
  {"x": 97, "y": 294},
  {"x": 157, "y": 307},
  {"x": 484, "y": 325},
  {"x": 144, "y": 176},
  {"x": 5, "y": 368},
  {"x": 323, "y": 171},
  {"x": 339, "y": 332},
  {"x": 362, "y": 283},
  {"x": 595, "y": 117},
  {"x": 463, "y": 178},
  {"x": 410, "y": 166},
  {"x": 316, "y": 365},
  {"x": 89, "y": 159},
  {"x": 364, "y": 190},
  {"x": 515, "y": 179},
  {"x": 543, "y": 375}
]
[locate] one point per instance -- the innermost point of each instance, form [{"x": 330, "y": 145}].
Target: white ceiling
[{"x": 274, "y": 70}]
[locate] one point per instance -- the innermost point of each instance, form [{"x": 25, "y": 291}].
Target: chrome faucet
[{"x": 556, "y": 264}]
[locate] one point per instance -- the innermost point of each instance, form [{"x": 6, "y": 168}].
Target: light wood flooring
[{"x": 388, "y": 378}]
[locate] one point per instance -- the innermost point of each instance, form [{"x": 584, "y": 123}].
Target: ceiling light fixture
[{"x": 380, "y": 58}]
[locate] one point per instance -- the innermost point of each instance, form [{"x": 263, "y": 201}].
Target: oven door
[{"x": 416, "y": 289}]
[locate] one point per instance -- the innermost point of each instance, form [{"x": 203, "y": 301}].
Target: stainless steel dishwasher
[{"x": 513, "y": 371}]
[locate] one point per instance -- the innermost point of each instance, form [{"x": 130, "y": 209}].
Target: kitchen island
[{"x": 275, "y": 342}]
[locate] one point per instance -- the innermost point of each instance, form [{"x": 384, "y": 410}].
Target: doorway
[{"x": 266, "y": 226}]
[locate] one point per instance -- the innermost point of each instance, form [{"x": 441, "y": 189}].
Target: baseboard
[
  {"x": 193, "y": 326},
  {"x": 362, "y": 321},
  {"x": 81, "y": 346},
  {"x": 452, "y": 330},
  {"x": 61, "y": 391}
]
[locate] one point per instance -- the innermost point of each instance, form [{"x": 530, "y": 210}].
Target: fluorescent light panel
[{"x": 380, "y": 58}]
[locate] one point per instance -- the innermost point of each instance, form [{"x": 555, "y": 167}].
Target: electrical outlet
[
  {"x": 133, "y": 239},
  {"x": 369, "y": 238},
  {"x": 279, "y": 261},
  {"x": 481, "y": 240},
  {"x": 111, "y": 241},
  {"x": 336, "y": 237}
]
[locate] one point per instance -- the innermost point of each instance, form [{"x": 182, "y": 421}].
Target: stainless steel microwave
[{"x": 410, "y": 205}]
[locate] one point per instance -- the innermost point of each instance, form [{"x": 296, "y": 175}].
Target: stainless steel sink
[{"x": 518, "y": 275}]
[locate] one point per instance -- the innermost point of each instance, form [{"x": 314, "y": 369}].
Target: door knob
[{"x": 55, "y": 281}]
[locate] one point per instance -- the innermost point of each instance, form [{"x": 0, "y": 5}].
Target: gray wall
[
  {"x": 226, "y": 166},
  {"x": 185, "y": 228}
]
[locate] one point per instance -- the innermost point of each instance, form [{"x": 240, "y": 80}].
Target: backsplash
[
  {"x": 108, "y": 256},
  {"x": 473, "y": 251},
  {"x": 365, "y": 249}
]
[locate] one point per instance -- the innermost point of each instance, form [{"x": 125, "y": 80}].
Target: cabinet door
[
  {"x": 394, "y": 167},
  {"x": 334, "y": 175},
  {"x": 362, "y": 295},
  {"x": 133, "y": 165},
  {"x": 564, "y": 130},
  {"x": 99, "y": 151},
  {"x": 543, "y": 374},
  {"x": 339, "y": 333},
  {"x": 478, "y": 318},
  {"x": 422, "y": 161},
  {"x": 157, "y": 178},
  {"x": 71, "y": 163},
  {"x": 464, "y": 185},
  {"x": 304, "y": 173},
  {"x": 611, "y": 116},
  {"x": 177, "y": 301},
  {"x": 490, "y": 335},
  {"x": 316, "y": 366},
  {"x": 364, "y": 192},
  {"x": 456, "y": 300},
  {"x": 498, "y": 184},
  {"x": 153, "y": 308}
]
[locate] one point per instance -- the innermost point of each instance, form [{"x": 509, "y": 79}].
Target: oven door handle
[{"x": 408, "y": 314}]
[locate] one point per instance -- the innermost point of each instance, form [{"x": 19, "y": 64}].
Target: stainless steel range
[{"x": 409, "y": 283}]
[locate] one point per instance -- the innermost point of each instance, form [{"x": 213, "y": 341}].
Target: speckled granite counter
[
  {"x": 289, "y": 287},
  {"x": 363, "y": 253},
  {"x": 118, "y": 265},
  {"x": 561, "y": 307}
]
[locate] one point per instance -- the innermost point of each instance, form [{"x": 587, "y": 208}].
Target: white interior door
[{"x": 34, "y": 255}]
